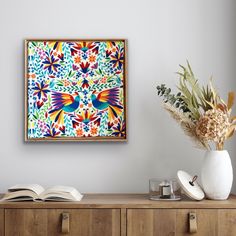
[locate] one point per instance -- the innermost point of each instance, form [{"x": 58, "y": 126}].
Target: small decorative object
[
  {"x": 163, "y": 190},
  {"x": 206, "y": 118},
  {"x": 190, "y": 186},
  {"x": 75, "y": 90}
]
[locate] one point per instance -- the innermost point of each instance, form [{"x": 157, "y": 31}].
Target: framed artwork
[{"x": 75, "y": 90}]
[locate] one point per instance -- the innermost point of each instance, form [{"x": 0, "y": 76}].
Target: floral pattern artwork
[{"x": 75, "y": 90}]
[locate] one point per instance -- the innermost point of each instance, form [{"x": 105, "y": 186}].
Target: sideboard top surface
[{"x": 124, "y": 201}]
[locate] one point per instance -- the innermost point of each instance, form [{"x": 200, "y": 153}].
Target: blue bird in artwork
[
  {"x": 108, "y": 99},
  {"x": 63, "y": 102}
]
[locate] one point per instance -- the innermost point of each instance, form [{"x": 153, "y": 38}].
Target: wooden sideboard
[{"x": 119, "y": 215}]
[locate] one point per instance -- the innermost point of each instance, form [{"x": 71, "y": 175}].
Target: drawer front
[
  {"x": 25, "y": 222},
  {"x": 86, "y": 222},
  {"x": 1, "y": 222},
  {"x": 210, "y": 222},
  {"x": 50, "y": 222},
  {"x": 163, "y": 222},
  {"x": 151, "y": 222},
  {"x": 227, "y": 222},
  {"x": 206, "y": 222}
]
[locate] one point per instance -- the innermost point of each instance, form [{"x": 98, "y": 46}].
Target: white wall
[{"x": 161, "y": 34}]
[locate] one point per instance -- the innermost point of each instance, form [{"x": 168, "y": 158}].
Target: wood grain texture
[
  {"x": 83, "y": 222},
  {"x": 1, "y": 222},
  {"x": 124, "y": 201},
  {"x": 123, "y": 221},
  {"x": 149, "y": 222},
  {"x": 162, "y": 222},
  {"x": 25, "y": 222},
  {"x": 207, "y": 222},
  {"x": 118, "y": 214},
  {"x": 86, "y": 222},
  {"x": 227, "y": 222}
]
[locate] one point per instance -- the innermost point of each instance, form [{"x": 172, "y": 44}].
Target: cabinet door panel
[
  {"x": 82, "y": 222},
  {"x": 163, "y": 222},
  {"x": 149, "y": 222},
  {"x": 206, "y": 222},
  {"x": 227, "y": 222},
  {"x": 86, "y": 222},
  {"x": 1, "y": 222},
  {"x": 25, "y": 222}
]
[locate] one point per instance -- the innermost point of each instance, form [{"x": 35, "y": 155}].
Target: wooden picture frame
[{"x": 75, "y": 90}]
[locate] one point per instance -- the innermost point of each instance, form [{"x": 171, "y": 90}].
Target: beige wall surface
[{"x": 161, "y": 35}]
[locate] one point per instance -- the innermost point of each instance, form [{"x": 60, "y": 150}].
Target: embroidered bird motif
[
  {"x": 108, "y": 99},
  {"x": 63, "y": 102}
]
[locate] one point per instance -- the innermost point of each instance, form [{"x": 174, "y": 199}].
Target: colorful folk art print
[{"x": 75, "y": 90}]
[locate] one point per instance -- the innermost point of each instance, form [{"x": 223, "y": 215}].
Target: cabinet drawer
[
  {"x": 162, "y": 222},
  {"x": 210, "y": 222},
  {"x": 150, "y": 222},
  {"x": 1, "y": 222},
  {"x": 227, "y": 222},
  {"x": 48, "y": 222},
  {"x": 206, "y": 221}
]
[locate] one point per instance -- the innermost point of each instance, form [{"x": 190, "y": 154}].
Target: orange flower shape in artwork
[
  {"x": 103, "y": 80},
  {"x": 77, "y": 59},
  {"x": 33, "y": 76},
  {"x": 94, "y": 130},
  {"x": 92, "y": 58},
  {"x": 79, "y": 132},
  {"x": 66, "y": 83}
]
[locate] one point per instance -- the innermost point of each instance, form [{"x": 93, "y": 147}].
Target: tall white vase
[{"x": 217, "y": 175}]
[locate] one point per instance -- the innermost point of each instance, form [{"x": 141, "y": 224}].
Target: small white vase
[{"x": 217, "y": 175}]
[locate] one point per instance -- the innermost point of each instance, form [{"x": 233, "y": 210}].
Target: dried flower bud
[{"x": 213, "y": 125}]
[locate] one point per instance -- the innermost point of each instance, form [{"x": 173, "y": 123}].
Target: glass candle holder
[{"x": 160, "y": 189}]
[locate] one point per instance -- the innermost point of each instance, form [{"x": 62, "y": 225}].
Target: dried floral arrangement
[{"x": 200, "y": 111}]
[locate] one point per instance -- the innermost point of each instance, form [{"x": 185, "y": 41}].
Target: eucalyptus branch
[{"x": 175, "y": 100}]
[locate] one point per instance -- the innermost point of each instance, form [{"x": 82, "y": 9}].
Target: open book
[{"x": 35, "y": 192}]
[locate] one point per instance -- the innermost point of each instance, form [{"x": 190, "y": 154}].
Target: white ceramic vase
[{"x": 217, "y": 175}]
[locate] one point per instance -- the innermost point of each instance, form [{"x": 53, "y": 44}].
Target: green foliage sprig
[{"x": 175, "y": 100}]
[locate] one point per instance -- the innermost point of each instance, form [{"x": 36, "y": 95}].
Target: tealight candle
[{"x": 165, "y": 189}]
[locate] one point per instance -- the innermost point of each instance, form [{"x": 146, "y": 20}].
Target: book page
[
  {"x": 36, "y": 188},
  {"x": 20, "y": 195},
  {"x": 66, "y": 192}
]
